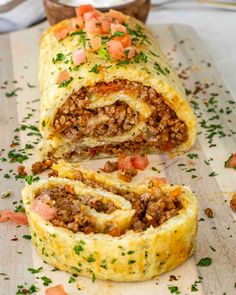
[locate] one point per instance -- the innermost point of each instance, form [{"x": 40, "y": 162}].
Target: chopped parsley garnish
[
  {"x": 174, "y": 289},
  {"x": 46, "y": 281},
  {"x": 213, "y": 174},
  {"x": 6, "y": 194},
  {"x": 194, "y": 288},
  {"x": 59, "y": 57},
  {"x": 16, "y": 157},
  {"x": 31, "y": 178},
  {"x": 93, "y": 278},
  {"x": 35, "y": 270},
  {"x": 204, "y": 261},
  {"x": 23, "y": 290},
  {"x": 117, "y": 34},
  {"x": 154, "y": 54},
  {"x": 131, "y": 261},
  {"x": 123, "y": 62},
  {"x": 130, "y": 252},
  {"x": 192, "y": 156},
  {"x": 31, "y": 86},
  {"x": 71, "y": 280},
  {"x": 213, "y": 249},
  {"x": 143, "y": 56},
  {"x": 95, "y": 69},
  {"x": 12, "y": 93},
  {"x": 103, "y": 53},
  {"x": 78, "y": 249},
  {"x": 91, "y": 258},
  {"x": 65, "y": 83},
  {"x": 27, "y": 237},
  {"x": 113, "y": 260},
  {"x": 104, "y": 264},
  {"x": 159, "y": 69},
  {"x": 6, "y": 175}
]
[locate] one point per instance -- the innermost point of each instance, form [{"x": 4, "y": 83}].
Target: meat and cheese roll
[
  {"x": 107, "y": 88},
  {"x": 97, "y": 226}
]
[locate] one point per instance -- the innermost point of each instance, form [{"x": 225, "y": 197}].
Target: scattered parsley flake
[
  {"x": 35, "y": 270},
  {"x": 213, "y": 174},
  {"x": 12, "y": 93},
  {"x": 131, "y": 261},
  {"x": 91, "y": 258},
  {"x": 174, "y": 289},
  {"x": 65, "y": 83},
  {"x": 192, "y": 156},
  {"x": 93, "y": 278},
  {"x": 213, "y": 249},
  {"x": 6, "y": 194},
  {"x": 71, "y": 280},
  {"x": 204, "y": 261},
  {"x": 94, "y": 69},
  {"x": 194, "y": 288},
  {"x": 78, "y": 249},
  {"x": 46, "y": 281},
  {"x": 59, "y": 57},
  {"x": 27, "y": 237}
]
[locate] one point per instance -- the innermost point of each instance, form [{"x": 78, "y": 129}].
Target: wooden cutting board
[{"x": 202, "y": 168}]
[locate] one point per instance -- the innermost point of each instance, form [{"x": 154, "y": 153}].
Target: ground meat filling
[
  {"x": 151, "y": 209},
  {"x": 75, "y": 120}
]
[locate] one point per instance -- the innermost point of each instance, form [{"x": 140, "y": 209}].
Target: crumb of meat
[
  {"x": 39, "y": 167},
  {"x": 110, "y": 167},
  {"x": 53, "y": 173},
  {"x": 209, "y": 212},
  {"x": 127, "y": 175},
  {"x": 21, "y": 170},
  {"x": 173, "y": 278},
  {"x": 233, "y": 202}
]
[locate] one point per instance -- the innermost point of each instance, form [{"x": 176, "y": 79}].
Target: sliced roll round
[
  {"x": 95, "y": 103},
  {"x": 96, "y": 226}
]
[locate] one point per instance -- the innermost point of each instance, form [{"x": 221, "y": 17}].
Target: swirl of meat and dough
[{"x": 89, "y": 224}]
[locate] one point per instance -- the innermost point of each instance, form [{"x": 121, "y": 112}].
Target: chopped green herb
[
  {"x": 174, "y": 289},
  {"x": 123, "y": 62},
  {"x": 113, "y": 260},
  {"x": 213, "y": 249},
  {"x": 103, "y": 53},
  {"x": 31, "y": 86},
  {"x": 192, "y": 156},
  {"x": 46, "y": 281},
  {"x": 131, "y": 261},
  {"x": 130, "y": 252},
  {"x": 27, "y": 237},
  {"x": 35, "y": 270},
  {"x": 71, "y": 280},
  {"x": 7, "y": 176},
  {"x": 43, "y": 123},
  {"x": 91, "y": 258},
  {"x": 16, "y": 157},
  {"x": 159, "y": 69},
  {"x": 78, "y": 249},
  {"x": 93, "y": 278},
  {"x": 154, "y": 54},
  {"x": 143, "y": 56},
  {"x": 6, "y": 194},
  {"x": 118, "y": 34},
  {"x": 65, "y": 83},
  {"x": 13, "y": 93},
  {"x": 59, "y": 57},
  {"x": 187, "y": 91},
  {"x": 194, "y": 288},
  {"x": 104, "y": 264},
  {"x": 95, "y": 69},
  {"x": 204, "y": 261},
  {"x": 213, "y": 174}
]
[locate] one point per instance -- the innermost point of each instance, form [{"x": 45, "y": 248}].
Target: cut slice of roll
[
  {"x": 95, "y": 103},
  {"x": 97, "y": 226}
]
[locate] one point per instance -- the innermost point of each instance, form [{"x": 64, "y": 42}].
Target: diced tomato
[
  {"x": 63, "y": 76},
  {"x": 106, "y": 24},
  {"x": 118, "y": 28},
  {"x": 44, "y": 210},
  {"x": 125, "y": 40},
  {"x": 125, "y": 162},
  {"x": 96, "y": 43},
  {"x": 79, "y": 56},
  {"x": 231, "y": 162},
  {"x": 117, "y": 15},
  {"x": 62, "y": 31},
  {"x": 176, "y": 192},
  {"x": 77, "y": 22},
  {"x": 92, "y": 26},
  {"x": 91, "y": 14},
  {"x": 17, "y": 217},
  {"x": 56, "y": 290},
  {"x": 158, "y": 181},
  {"x": 140, "y": 162},
  {"x": 115, "y": 49},
  {"x": 82, "y": 9},
  {"x": 131, "y": 51}
]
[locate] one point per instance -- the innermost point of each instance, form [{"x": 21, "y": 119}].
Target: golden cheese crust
[
  {"x": 155, "y": 72},
  {"x": 133, "y": 256}
]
